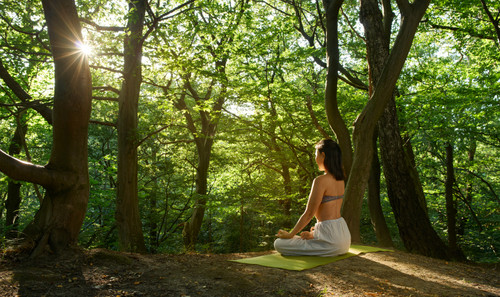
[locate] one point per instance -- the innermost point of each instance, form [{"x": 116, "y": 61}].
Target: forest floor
[{"x": 101, "y": 272}]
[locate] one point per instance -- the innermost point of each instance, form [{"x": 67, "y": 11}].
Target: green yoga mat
[{"x": 299, "y": 263}]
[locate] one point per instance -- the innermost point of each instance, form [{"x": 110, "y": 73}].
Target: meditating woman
[{"x": 330, "y": 236}]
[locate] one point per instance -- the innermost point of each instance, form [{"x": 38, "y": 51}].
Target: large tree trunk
[
  {"x": 405, "y": 191},
  {"x": 65, "y": 177},
  {"x": 127, "y": 214},
  {"x": 63, "y": 208},
  {"x": 403, "y": 185},
  {"x": 365, "y": 124}
]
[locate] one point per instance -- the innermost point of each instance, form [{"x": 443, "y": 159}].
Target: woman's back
[{"x": 332, "y": 198}]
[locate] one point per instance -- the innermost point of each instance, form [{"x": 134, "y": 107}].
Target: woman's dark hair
[{"x": 333, "y": 157}]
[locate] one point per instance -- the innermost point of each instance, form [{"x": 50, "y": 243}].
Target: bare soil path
[{"x": 107, "y": 273}]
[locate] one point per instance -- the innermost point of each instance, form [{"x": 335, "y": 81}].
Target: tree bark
[
  {"x": 405, "y": 191},
  {"x": 401, "y": 177},
  {"x": 365, "y": 124},
  {"x": 335, "y": 120},
  {"x": 375, "y": 208},
  {"x": 65, "y": 177},
  {"x": 193, "y": 226},
  {"x": 127, "y": 213}
]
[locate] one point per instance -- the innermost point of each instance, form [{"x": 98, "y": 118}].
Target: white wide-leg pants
[{"x": 331, "y": 238}]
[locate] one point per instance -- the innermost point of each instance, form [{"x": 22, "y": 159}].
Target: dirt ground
[{"x": 107, "y": 273}]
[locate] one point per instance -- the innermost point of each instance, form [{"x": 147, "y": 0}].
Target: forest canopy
[{"x": 203, "y": 117}]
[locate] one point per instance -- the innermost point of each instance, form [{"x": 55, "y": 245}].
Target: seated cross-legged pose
[{"x": 330, "y": 236}]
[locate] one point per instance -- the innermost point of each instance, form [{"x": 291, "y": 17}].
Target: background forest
[{"x": 214, "y": 108}]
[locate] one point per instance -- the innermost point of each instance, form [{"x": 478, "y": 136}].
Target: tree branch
[
  {"x": 484, "y": 181},
  {"x": 492, "y": 20},
  {"x": 456, "y": 29},
  {"x": 102, "y": 123},
  {"x": 25, "y": 171},
  {"x": 107, "y": 88},
  {"x": 20, "y": 93},
  {"x": 102, "y": 28},
  {"x": 151, "y": 134},
  {"x": 105, "y": 98}
]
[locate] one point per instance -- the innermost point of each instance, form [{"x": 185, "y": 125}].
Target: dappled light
[{"x": 147, "y": 144}]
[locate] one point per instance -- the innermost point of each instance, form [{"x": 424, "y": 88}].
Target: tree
[
  {"x": 65, "y": 177},
  {"x": 449, "y": 95},
  {"x": 403, "y": 184},
  {"x": 366, "y": 122},
  {"x": 203, "y": 94},
  {"x": 127, "y": 205}
]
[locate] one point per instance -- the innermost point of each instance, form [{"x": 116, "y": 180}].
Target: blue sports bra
[{"x": 331, "y": 198}]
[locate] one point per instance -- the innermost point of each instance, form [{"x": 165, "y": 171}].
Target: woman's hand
[
  {"x": 307, "y": 235},
  {"x": 284, "y": 234}
]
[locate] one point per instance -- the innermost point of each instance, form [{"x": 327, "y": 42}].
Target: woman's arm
[{"x": 313, "y": 203}]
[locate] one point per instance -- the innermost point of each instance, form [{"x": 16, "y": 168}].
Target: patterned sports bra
[{"x": 331, "y": 198}]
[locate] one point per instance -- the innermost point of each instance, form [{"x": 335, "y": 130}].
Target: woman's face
[{"x": 320, "y": 159}]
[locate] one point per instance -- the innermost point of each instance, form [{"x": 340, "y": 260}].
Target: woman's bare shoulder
[
  {"x": 322, "y": 179},
  {"x": 327, "y": 181}
]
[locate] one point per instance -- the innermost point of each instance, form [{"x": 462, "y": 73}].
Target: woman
[{"x": 330, "y": 236}]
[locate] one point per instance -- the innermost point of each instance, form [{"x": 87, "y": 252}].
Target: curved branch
[
  {"x": 23, "y": 95},
  {"x": 25, "y": 171}
]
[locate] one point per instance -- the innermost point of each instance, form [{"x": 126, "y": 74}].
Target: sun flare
[{"x": 84, "y": 48}]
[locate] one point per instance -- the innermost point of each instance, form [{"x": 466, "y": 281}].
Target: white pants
[{"x": 331, "y": 238}]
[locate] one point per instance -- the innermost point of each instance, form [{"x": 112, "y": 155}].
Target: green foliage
[{"x": 263, "y": 154}]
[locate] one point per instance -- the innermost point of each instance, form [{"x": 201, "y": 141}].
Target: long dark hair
[{"x": 333, "y": 157}]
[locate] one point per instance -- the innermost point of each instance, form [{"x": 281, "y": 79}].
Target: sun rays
[{"x": 84, "y": 48}]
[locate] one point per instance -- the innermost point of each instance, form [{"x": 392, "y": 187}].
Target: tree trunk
[
  {"x": 209, "y": 119},
  {"x": 405, "y": 191},
  {"x": 335, "y": 120},
  {"x": 152, "y": 211},
  {"x": 287, "y": 202},
  {"x": 127, "y": 214},
  {"x": 376, "y": 213},
  {"x": 401, "y": 177},
  {"x": 14, "y": 188},
  {"x": 65, "y": 177},
  {"x": 451, "y": 210},
  {"x": 204, "y": 141},
  {"x": 193, "y": 226},
  {"x": 451, "y": 207},
  {"x": 365, "y": 124}
]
